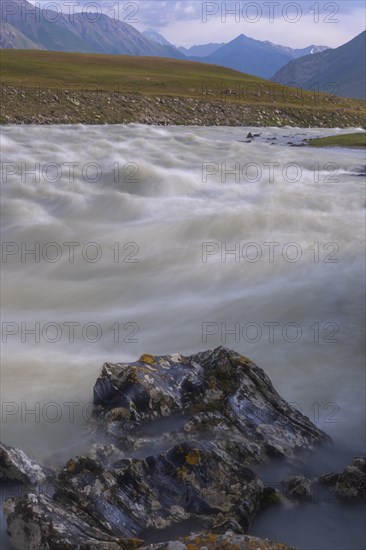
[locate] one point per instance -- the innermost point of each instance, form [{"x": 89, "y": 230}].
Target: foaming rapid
[{"x": 161, "y": 240}]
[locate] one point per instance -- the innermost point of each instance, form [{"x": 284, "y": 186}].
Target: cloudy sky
[{"x": 187, "y": 22}]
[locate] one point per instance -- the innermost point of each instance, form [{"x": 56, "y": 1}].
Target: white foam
[{"x": 169, "y": 212}]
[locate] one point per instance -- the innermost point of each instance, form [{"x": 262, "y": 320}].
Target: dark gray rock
[
  {"x": 351, "y": 483},
  {"x": 105, "y": 453},
  {"x": 36, "y": 522},
  {"x": 211, "y": 541},
  {"x": 329, "y": 479},
  {"x": 177, "y": 437},
  {"x": 297, "y": 487},
  {"x": 15, "y": 465},
  {"x": 187, "y": 481},
  {"x": 129, "y": 496},
  {"x": 241, "y": 396}
]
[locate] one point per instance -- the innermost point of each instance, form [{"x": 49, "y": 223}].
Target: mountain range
[
  {"x": 47, "y": 30},
  {"x": 206, "y": 50},
  {"x": 50, "y": 31},
  {"x": 255, "y": 56},
  {"x": 201, "y": 50},
  {"x": 260, "y": 58},
  {"x": 340, "y": 71}
]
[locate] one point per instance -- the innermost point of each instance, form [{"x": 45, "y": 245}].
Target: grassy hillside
[{"x": 148, "y": 77}]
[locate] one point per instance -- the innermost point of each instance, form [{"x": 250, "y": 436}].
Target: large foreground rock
[
  {"x": 120, "y": 501},
  {"x": 37, "y": 522},
  {"x": 183, "y": 432},
  {"x": 226, "y": 396}
]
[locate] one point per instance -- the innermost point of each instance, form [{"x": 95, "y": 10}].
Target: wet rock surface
[
  {"x": 223, "y": 394},
  {"x": 227, "y": 541},
  {"x": 297, "y": 488},
  {"x": 132, "y": 495},
  {"x": 175, "y": 441},
  {"x": 38, "y": 522},
  {"x": 351, "y": 483},
  {"x": 16, "y": 466}
]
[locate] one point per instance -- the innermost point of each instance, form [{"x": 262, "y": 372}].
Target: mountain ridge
[
  {"x": 249, "y": 56},
  {"x": 13, "y": 38},
  {"x": 153, "y": 35},
  {"x": 201, "y": 50},
  {"x": 55, "y": 32},
  {"x": 44, "y": 29},
  {"x": 340, "y": 71}
]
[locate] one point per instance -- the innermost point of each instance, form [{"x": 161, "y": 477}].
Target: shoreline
[
  {"x": 349, "y": 141},
  {"x": 22, "y": 106}
]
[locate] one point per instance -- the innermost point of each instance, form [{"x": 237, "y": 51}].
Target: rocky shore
[
  {"x": 175, "y": 445},
  {"x": 22, "y": 105}
]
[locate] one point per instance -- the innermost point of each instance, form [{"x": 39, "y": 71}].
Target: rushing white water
[{"x": 161, "y": 194}]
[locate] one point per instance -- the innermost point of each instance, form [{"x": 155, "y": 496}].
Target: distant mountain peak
[
  {"x": 243, "y": 37},
  {"x": 201, "y": 50},
  {"x": 339, "y": 71}
]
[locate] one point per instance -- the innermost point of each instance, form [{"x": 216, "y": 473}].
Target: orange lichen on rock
[
  {"x": 147, "y": 358},
  {"x": 193, "y": 458}
]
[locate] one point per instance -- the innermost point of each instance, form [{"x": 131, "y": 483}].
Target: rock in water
[
  {"x": 36, "y": 522},
  {"x": 186, "y": 481},
  {"x": 228, "y": 541},
  {"x": 351, "y": 483},
  {"x": 297, "y": 488},
  {"x": 221, "y": 414},
  {"x": 15, "y": 465},
  {"x": 96, "y": 507},
  {"x": 240, "y": 394}
]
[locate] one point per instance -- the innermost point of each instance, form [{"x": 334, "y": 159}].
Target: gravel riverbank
[{"x": 49, "y": 106}]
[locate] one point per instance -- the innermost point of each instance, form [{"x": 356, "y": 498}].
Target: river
[{"x": 123, "y": 240}]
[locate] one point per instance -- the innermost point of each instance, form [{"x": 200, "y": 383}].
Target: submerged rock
[
  {"x": 351, "y": 483},
  {"x": 297, "y": 488},
  {"x": 177, "y": 437}
]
